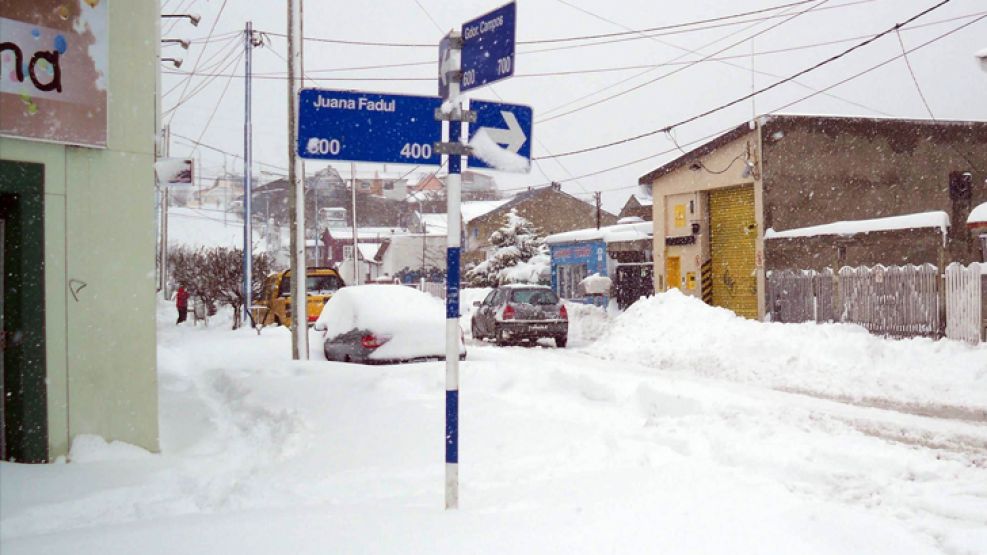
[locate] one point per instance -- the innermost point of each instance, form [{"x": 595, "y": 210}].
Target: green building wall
[{"x": 99, "y": 231}]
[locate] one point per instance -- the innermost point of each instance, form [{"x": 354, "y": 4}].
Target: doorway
[{"x": 23, "y": 396}]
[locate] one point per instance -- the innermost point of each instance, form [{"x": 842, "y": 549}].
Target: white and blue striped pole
[{"x": 453, "y": 187}]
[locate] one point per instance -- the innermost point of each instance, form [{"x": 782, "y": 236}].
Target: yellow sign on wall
[
  {"x": 679, "y": 215},
  {"x": 690, "y": 281}
]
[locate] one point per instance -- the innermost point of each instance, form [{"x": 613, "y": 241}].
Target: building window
[
  {"x": 569, "y": 276},
  {"x": 475, "y": 233},
  {"x": 347, "y": 252}
]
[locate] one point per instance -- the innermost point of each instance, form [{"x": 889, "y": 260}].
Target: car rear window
[{"x": 534, "y": 296}]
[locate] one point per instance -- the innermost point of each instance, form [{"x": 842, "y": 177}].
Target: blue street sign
[
  {"x": 488, "y": 47},
  {"x": 368, "y": 127},
  {"x": 508, "y": 125}
]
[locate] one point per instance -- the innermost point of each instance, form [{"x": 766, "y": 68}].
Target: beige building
[
  {"x": 713, "y": 205},
  {"x": 77, "y": 194}
]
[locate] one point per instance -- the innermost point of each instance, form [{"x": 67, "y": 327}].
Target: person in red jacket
[{"x": 181, "y": 303}]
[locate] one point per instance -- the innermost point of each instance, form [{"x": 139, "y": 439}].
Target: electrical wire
[
  {"x": 765, "y": 89},
  {"x": 198, "y": 59},
  {"x": 669, "y": 73}
]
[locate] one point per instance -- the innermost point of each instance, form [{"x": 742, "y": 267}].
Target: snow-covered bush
[{"x": 521, "y": 256}]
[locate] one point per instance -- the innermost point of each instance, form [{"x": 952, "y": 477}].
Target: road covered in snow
[{"x": 672, "y": 428}]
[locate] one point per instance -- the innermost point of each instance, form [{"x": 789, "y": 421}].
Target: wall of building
[
  {"x": 721, "y": 168},
  {"x": 821, "y": 170},
  {"x": 99, "y": 232},
  {"x": 865, "y": 249}
]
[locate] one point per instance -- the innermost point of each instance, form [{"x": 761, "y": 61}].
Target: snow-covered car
[
  {"x": 514, "y": 313},
  {"x": 384, "y": 324}
]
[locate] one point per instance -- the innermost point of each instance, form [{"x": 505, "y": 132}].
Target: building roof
[
  {"x": 474, "y": 209},
  {"x": 608, "y": 234},
  {"x": 344, "y": 233},
  {"x": 368, "y": 251},
  {"x": 435, "y": 223},
  {"x": 821, "y": 121}
]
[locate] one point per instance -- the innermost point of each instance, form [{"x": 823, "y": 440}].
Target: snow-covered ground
[{"x": 681, "y": 429}]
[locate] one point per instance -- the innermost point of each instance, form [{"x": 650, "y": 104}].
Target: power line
[
  {"x": 669, "y": 73},
  {"x": 774, "y": 111},
  {"x": 763, "y": 89},
  {"x": 585, "y": 37},
  {"x": 198, "y": 59},
  {"x": 280, "y": 75}
]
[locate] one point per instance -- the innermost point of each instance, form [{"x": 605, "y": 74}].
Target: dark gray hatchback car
[{"x": 515, "y": 313}]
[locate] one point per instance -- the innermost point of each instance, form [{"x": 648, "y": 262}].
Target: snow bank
[
  {"x": 677, "y": 333},
  {"x": 91, "y": 448}
]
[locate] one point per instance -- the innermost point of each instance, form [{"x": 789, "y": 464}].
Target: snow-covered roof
[
  {"x": 644, "y": 200},
  {"x": 609, "y": 234},
  {"x": 366, "y": 232},
  {"x": 474, "y": 209},
  {"x": 978, "y": 216},
  {"x": 368, "y": 251},
  {"x": 435, "y": 223},
  {"x": 937, "y": 219}
]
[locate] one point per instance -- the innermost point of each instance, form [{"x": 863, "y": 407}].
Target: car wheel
[
  {"x": 475, "y": 333},
  {"x": 561, "y": 341},
  {"x": 277, "y": 321}
]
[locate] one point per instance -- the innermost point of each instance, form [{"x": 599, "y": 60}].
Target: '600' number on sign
[{"x": 323, "y": 146}]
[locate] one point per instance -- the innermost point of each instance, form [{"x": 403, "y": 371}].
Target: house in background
[
  {"x": 548, "y": 208},
  {"x": 714, "y": 206},
  {"x": 638, "y": 205}
]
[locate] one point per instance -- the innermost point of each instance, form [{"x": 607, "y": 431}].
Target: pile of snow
[
  {"x": 937, "y": 219},
  {"x": 672, "y": 332},
  {"x": 587, "y": 322},
  {"x": 414, "y": 321},
  {"x": 87, "y": 448},
  {"x": 594, "y": 284}
]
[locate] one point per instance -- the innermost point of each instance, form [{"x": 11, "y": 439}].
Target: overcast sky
[{"x": 946, "y": 70}]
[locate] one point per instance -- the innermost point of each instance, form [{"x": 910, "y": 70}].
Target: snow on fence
[
  {"x": 964, "y": 316},
  {"x": 898, "y": 300}
]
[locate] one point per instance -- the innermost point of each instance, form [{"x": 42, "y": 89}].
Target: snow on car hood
[{"x": 415, "y": 321}]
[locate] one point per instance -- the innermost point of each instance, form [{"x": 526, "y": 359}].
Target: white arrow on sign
[{"x": 512, "y": 138}]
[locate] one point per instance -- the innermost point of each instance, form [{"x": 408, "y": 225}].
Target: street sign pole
[
  {"x": 296, "y": 178},
  {"x": 453, "y": 191},
  {"x": 248, "y": 243}
]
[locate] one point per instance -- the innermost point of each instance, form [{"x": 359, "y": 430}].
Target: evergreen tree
[{"x": 520, "y": 256}]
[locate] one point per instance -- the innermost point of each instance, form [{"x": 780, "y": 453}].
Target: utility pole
[
  {"x": 296, "y": 177},
  {"x": 596, "y": 195},
  {"x": 248, "y": 243},
  {"x": 356, "y": 270},
  {"x": 166, "y": 152}
]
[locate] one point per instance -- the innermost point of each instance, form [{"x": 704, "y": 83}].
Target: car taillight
[
  {"x": 508, "y": 313},
  {"x": 563, "y": 313},
  {"x": 371, "y": 341}
]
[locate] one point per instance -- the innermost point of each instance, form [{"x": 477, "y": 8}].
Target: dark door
[
  {"x": 633, "y": 282},
  {"x": 25, "y": 409}
]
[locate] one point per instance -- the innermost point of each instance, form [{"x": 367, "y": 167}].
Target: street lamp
[
  {"x": 177, "y": 62},
  {"x": 193, "y": 18},
  {"x": 982, "y": 56}
]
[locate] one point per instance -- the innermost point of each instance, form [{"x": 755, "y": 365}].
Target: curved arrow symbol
[{"x": 512, "y": 138}]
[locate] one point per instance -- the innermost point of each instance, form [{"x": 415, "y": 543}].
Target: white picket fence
[
  {"x": 899, "y": 301},
  {"x": 436, "y": 289},
  {"x": 964, "y": 311}
]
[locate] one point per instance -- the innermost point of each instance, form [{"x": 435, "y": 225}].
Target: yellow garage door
[{"x": 733, "y": 239}]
